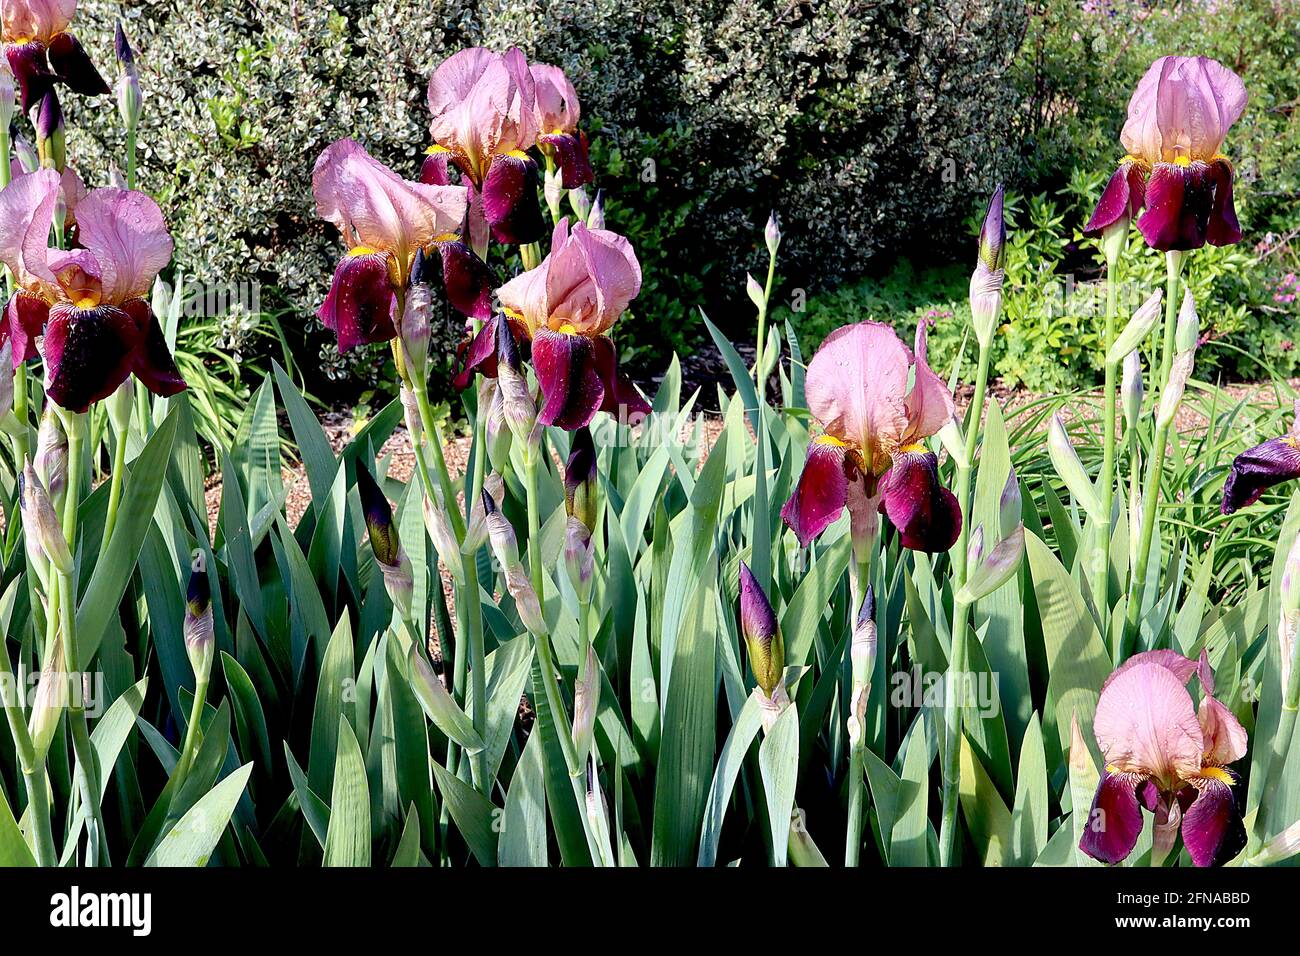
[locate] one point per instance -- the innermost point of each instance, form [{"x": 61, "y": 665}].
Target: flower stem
[
  {"x": 191, "y": 733},
  {"x": 115, "y": 486},
  {"x": 1101, "y": 545},
  {"x": 961, "y": 612},
  {"x": 130, "y": 155},
  {"x": 33, "y": 768}
]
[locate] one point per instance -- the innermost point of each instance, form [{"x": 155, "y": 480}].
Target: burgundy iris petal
[
  {"x": 1178, "y": 200},
  {"x": 1115, "y": 820},
  {"x": 479, "y": 355},
  {"x": 467, "y": 279},
  {"x": 510, "y": 199},
  {"x": 572, "y": 390},
  {"x": 1224, "y": 229},
  {"x": 925, "y": 513},
  {"x": 24, "y": 319},
  {"x": 1256, "y": 469},
  {"x": 621, "y": 397},
  {"x": 359, "y": 307},
  {"x": 435, "y": 170},
  {"x": 73, "y": 66},
  {"x": 1122, "y": 197},
  {"x": 570, "y": 150},
  {"x": 1212, "y": 828},
  {"x": 152, "y": 361},
  {"x": 31, "y": 70},
  {"x": 823, "y": 490},
  {"x": 88, "y": 353}
]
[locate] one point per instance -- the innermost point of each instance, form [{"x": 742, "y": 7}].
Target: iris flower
[
  {"x": 557, "y": 125},
  {"x": 385, "y": 220},
  {"x": 566, "y": 306},
  {"x": 876, "y": 403},
  {"x": 1178, "y": 118},
  {"x": 41, "y": 51},
  {"x": 89, "y": 300},
  {"x": 1260, "y": 468},
  {"x": 484, "y": 122},
  {"x": 1167, "y": 755}
]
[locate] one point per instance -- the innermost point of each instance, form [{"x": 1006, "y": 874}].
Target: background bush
[{"x": 874, "y": 130}]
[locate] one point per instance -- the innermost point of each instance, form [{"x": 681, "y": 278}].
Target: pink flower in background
[
  {"x": 41, "y": 51},
  {"x": 1164, "y": 753},
  {"x": 566, "y": 306},
  {"x": 484, "y": 120},
  {"x": 384, "y": 220},
  {"x": 99, "y": 328},
  {"x": 877, "y": 402},
  {"x": 1178, "y": 119},
  {"x": 557, "y": 125}
]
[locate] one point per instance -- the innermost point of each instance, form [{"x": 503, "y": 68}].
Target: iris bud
[
  {"x": 580, "y": 479},
  {"x": 443, "y": 538},
  {"x": 517, "y": 405},
  {"x": 51, "y": 461},
  {"x": 1137, "y": 328},
  {"x": 6, "y": 378},
  {"x": 1130, "y": 388},
  {"x": 596, "y": 218},
  {"x": 862, "y": 657},
  {"x": 579, "y": 558},
  {"x": 379, "y": 518},
  {"x": 772, "y": 233},
  {"x": 580, "y": 202},
  {"x": 993, "y": 234},
  {"x": 26, "y": 154},
  {"x": 762, "y": 633},
  {"x": 6, "y": 95},
  {"x": 414, "y": 325},
  {"x": 40, "y": 523},
  {"x": 1066, "y": 462},
  {"x": 50, "y": 700},
  {"x": 200, "y": 644},
  {"x": 129, "y": 99},
  {"x": 1188, "y": 329},
  {"x": 754, "y": 291},
  {"x": 1009, "y": 505},
  {"x": 476, "y": 534},
  {"x": 51, "y": 137},
  {"x": 586, "y": 702}
]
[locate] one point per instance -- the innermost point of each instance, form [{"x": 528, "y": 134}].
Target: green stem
[
  {"x": 33, "y": 768},
  {"x": 38, "y": 799},
  {"x": 961, "y": 612},
  {"x": 115, "y": 486},
  {"x": 759, "y": 378},
  {"x": 191, "y": 734},
  {"x": 130, "y": 156},
  {"x": 1281, "y": 747},
  {"x": 1173, "y": 269},
  {"x": 1101, "y": 546}
]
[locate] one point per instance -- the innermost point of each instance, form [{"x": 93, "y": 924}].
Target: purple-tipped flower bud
[
  {"x": 579, "y": 558},
  {"x": 40, "y": 523},
  {"x": 51, "y": 698},
  {"x": 586, "y": 702},
  {"x": 1009, "y": 505},
  {"x": 975, "y": 547},
  {"x": 476, "y": 534},
  {"x": 200, "y": 642},
  {"x": 51, "y": 137},
  {"x": 129, "y": 98},
  {"x": 496, "y": 431},
  {"x": 772, "y": 233},
  {"x": 1188, "y": 330},
  {"x": 26, "y": 154},
  {"x": 996, "y": 568},
  {"x": 580, "y": 479},
  {"x": 993, "y": 234},
  {"x": 415, "y": 322},
  {"x": 1137, "y": 328},
  {"x": 505, "y": 546},
  {"x": 1130, "y": 388},
  {"x": 1171, "y": 396},
  {"x": 378, "y": 514},
  {"x": 596, "y": 218},
  {"x": 762, "y": 633},
  {"x": 580, "y": 202},
  {"x": 517, "y": 405},
  {"x": 986, "y": 281}
]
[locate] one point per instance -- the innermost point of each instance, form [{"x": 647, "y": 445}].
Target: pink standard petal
[
  {"x": 1225, "y": 738},
  {"x": 1181, "y": 667},
  {"x": 41, "y": 19},
  {"x": 856, "y": 384},
  {"x": 592, "y": 276},
  {"x": 1145, "y": 723},
  {"x": 125, "y": 232},
  {"x": 374, "y": 207},
  {"x": 822, "y": 491},
  {"x": 26, "y": 215}
]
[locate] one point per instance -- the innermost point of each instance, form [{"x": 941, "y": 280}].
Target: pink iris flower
[
  {"x": 876, "y": 402},
  {"x": 41, "y": 51},
  {"x": 1178, "y": 119},
  {"x": 484, "y": 122},
  {"x": 557, "y": 125},
  {"x": 566, "y": 306},
  {"x": 385, "y": 220},
  {"x": 88, "y": 300},
  {"x": 1164, "y": 753}
]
